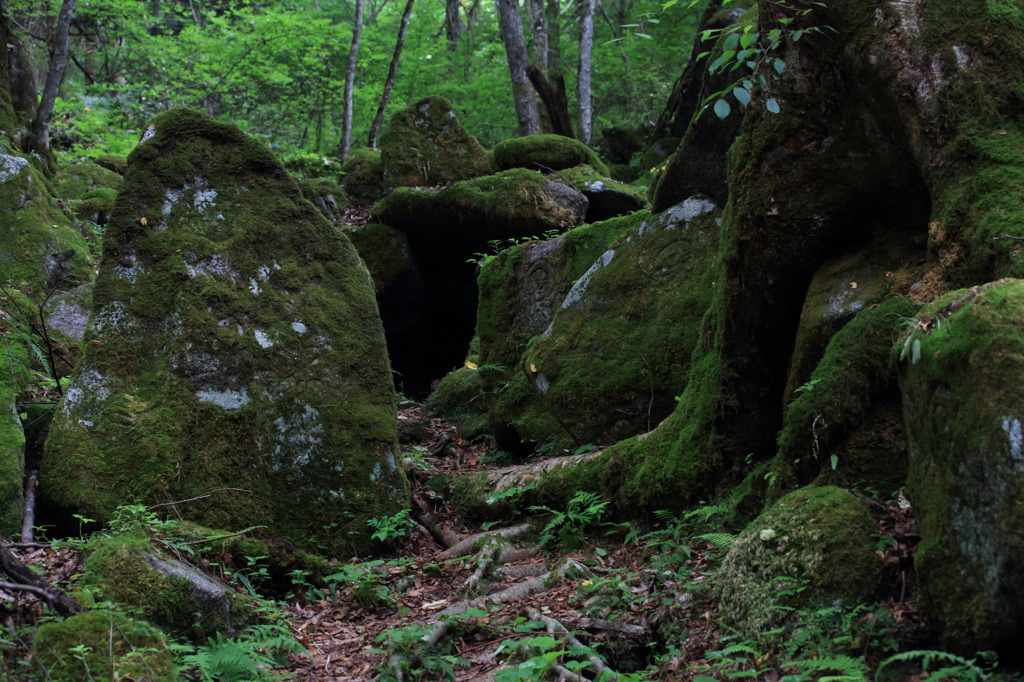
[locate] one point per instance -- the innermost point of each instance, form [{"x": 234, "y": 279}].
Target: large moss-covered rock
[
  {"x": 40, "y": 248},
  {"x": 963, "y": 398},
  {"x": 812, "y": 548},
  {"x": 607, "y": 198},
  {"x": 12, "y": 435},
  {"x": 450, "y": 230},
  {"x": 546, "y": 153},
  {"x": 326, "y": 195},
  {"x": 362, "y": 176},
  {"x": 401, "y": 292},
  {"x": 234, "y": 346},
  {"x": 520, "y": 290},
  {"x": 180, "y": 598},
  {"x": 78, "y": 179},
  {"x": 617, "y": 350},
  {"x": 849, "y": 408},
  {"x": 425, "y": 144},
  {"x": 103, "y": 644}
]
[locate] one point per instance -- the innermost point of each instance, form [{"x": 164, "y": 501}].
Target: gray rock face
[{"x": 236, "y": 346}]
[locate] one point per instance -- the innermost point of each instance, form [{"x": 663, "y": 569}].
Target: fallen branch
[
  {"x": 553, "y": 626},
  {"x": 201, "y": 497},
  {"x": 17, "y": 570},
  {"x": 29, "y": 517}
]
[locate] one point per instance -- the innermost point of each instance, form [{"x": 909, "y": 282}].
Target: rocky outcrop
[
  {"x": 962, "y": 363},
  {"x": 426, "y": 145},
  {"x": 235, "y": 347}
]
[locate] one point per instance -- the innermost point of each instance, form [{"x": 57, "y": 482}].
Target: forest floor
[{"x": 600, "y": 600}]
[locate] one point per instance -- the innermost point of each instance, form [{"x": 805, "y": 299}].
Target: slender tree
[
  {"x": 378, "y": 120},
  {"x": 515, "y": 50},
  {"x": 39, "y": 135},
  {"x": 350, "y": 79},
  {"x": 453, "y": 26},
  {"x": 585, "y": 67}
]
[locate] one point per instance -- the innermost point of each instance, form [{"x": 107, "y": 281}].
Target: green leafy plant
[
  {"x": 953, "y": 667},
  {"x": 749, "y": 51},
  {"x": 250, "y": 656},
  {"x": 410, "y": 660},
  {"x": 389, "y": 528},
  {"x": 583, "y": 511}
]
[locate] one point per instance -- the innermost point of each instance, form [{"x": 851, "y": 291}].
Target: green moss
[
  {"x": 75, "y": 181},
  {"x": 425, "y": 144},
  {"x": 856, "y": 370},
  {"x": 362, "y": 176},
  {"x": 13, "y": 380},
  {"x": 459, "y": 395},
  {"x": 326, "y": 195},
  {"x": 239, "y": 348},
  {"x": 962, "y": 400},
  {"x": 102, "y": 644},
  {"x": 617, "y": 351},
  {"x": 808, "y": 550},
  {"x": 40, "y": 249},
  {"x": 546, "y": 153},
  {"x": 123, "y": 568},
  {"x": 386, "y": 253}
]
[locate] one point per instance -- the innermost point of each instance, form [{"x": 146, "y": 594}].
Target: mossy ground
[{"x": 232, "y": 353}]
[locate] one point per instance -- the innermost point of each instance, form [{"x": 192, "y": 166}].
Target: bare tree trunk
[
  {"x": 552, "y": 95},
  {"x": 350, "y": 80},
  {"x": 39, "y": 137},
  {"x": 392, "y": 70},
  {"x": 453, "y": 27},
  {"x": 585, "y": 68},
  {"x": 554, "y": 23},
  {"x": 515, "y": 50},
  {"x": 539, "y": 31}
]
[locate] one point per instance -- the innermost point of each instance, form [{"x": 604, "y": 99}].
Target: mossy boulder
[
  {"x": 362, "y": 176},
  {"x": 40, "y": 248},
  {"x": 425, "y": 144},
  {"x": 103, "y": 644},
  {"x": 813, "y": 548},
  {"x": 234, "y": 344},
  {"x": 78, "y": 179},
  {"x": 546, "y": 153},
  {"x": 963, "y": 397},
  {"x": 459, "y": 395},
  {"x": 450, "y": 230},
  {"x": 607, "y": 198},
  {"x": 520, "y": 290},
  {"x": 616, "y": 353},
  {"x": 12, "y": 436},
  {"x": 850, "y": 408},
  {"x": 619, "y": 144},
  {"x": 178, "y": 597},
  {"x": 401, "y": 292},
  {"x": 326, "y": 195},
  {"x": 67, "y": 313}
]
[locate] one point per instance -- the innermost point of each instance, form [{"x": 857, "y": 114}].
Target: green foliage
[
  {"x": 412, "y": 660},
  {"x": 249, "y": 656},
  {"x": 584, "y": 511},
  {"x": 745, "y": 49},
  {"x": 390, "y": 528},
  {"x": 953, "y": 667}
]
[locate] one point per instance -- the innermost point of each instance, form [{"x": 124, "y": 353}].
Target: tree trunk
[
  {"x": 39, "y": 136},
  {"x": 515, "y": 50},
  {"x": 539, "y": 31},
  {"x": 378, "y": 120},
  {"x": 350, "y": 79},
  {"x": 453, "y": 27},
  {"x": 552, "y": 95},
  {"x": 585, "y": 67},
  {"x": 554, "y": 25}
]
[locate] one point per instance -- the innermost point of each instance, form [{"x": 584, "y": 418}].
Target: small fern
[
  {"x": 848, "y": 669},
  {"x": 722, "y": 541},
  {"x": 954, "y": 667},
  {"x": 248, "y": 657}
]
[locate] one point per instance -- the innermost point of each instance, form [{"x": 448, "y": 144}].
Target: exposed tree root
[{"x": 465, "y": 546}]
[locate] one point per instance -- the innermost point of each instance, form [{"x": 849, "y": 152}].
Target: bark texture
[
  {"x": 350, "y": 79},
  {"x": 515, "y": 52}
]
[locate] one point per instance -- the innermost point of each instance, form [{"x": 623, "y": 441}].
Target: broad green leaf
[
  {"x": 643, "y": 35},
  {"x": 749, "y": 39},
  {"x": 742, "y": 96},
  {"x": 772, "y": 105},
  {"x": 722, "y": 108},
  {"x": 731, "y": 42},
  {"x": 778, "y": 65}
]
